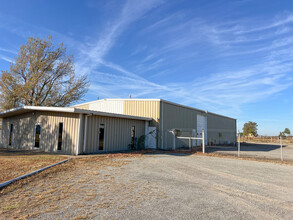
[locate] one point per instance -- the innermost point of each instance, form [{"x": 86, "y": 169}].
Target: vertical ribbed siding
[
  {"x": 218, "y": 124},
  {"x": 84, "y": 106},
  {"x": 24, "y": 131},
  {"x": 177, "y": 117},
  {"x": 112, "y": 106},
  {"x": 117, "y": 133},
  {"x": 50, "y": 127},
  {"x": 146, "y": 108}
]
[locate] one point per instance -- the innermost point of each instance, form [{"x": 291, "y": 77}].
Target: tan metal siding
[
  {"x": 50, "y": 125},
  {"x": 107, "y": 106},
  {"x": 223, "y": 125},
  {"x": 117, "y": 133},
  {"x": 177, "y": 117},
  {"x": 24, "y": 131},
  {"x": 85, "y": 106},
  {"x": 145, "y": 108}
]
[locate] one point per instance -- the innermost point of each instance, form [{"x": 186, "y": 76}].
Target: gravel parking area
[
  {"x": 256, "y": 150},
  {"x": 157, "y": 186}
]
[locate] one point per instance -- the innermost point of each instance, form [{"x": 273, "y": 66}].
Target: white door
[
  {"x": 152, "y": 138},
  {"x": 201, "y": 125}
]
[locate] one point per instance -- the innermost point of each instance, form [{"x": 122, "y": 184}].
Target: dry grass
[
  {"x": 67, "y": 184},
  {"x": 14, "y": 163},
  {"x": 267, "y": 139}
]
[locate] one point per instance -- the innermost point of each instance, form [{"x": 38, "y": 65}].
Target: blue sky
[{"x": 230, "y": 57}]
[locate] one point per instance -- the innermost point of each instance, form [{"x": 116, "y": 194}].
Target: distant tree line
[{"x": 250, "y": 129}]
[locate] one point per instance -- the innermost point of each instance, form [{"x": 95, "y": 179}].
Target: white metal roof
[{"x": 25, "y": 109}]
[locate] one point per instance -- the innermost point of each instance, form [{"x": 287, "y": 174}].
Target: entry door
[
  {"x": 101, "y": 137},
  {"x": 201, "y": 125},
  {"x": 152, "y": 138}
]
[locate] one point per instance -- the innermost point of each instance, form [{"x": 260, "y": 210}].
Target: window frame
[
  {"x": 104, "y": 125},
  {"x": 11, "y": 128},
  {"x": 61, "y": 135},
  {"x": 40, "y": 135},
  {"x": 133, "y": 138}
]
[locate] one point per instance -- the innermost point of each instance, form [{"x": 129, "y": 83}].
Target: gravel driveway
[{"x": 165, "y": 186}]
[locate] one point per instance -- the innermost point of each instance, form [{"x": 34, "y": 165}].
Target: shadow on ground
[{"x": 246, "y": 147}]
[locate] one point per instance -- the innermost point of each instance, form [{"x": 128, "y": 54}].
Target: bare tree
[{"x": 42, "y": 75}]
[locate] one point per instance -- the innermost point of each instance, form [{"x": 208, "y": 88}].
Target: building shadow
[{"x": 252, "y": 147}]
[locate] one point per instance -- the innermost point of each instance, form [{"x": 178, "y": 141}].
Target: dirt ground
[
  {"x": 153, "y": 186},
  {"x": 14, "y": 163}
]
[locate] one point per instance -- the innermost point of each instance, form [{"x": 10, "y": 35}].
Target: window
[
  {"x": 10, "y": 134},
  {"x": 37, "y": 136},
  {"x": 132, "y": 137},
  {"x": 101, "y": 136},
  {"x": 60, "y": 136}
]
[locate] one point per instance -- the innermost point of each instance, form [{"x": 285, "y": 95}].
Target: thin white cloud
[
  {"x": 8, "y": 50},
  {"x": 277, "y": 23},
  {"x": 132, "y": 11},
  {"x": 5, "y": 58}
]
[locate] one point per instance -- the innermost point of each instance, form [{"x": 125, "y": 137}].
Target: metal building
[
  {"x": 111, "y": 125},
  {"x": 70, "y": 130},
  {"x": 167, "y": 116}
]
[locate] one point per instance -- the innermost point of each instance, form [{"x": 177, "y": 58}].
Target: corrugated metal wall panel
[
  {"x": 223, "y": 125},
  {"x": 84, "y": 106},
  {"x": 145, "y": 108},
  {"x": 112, "y": 106},
  {"x": 50, "y": 128},
  {"x": 176, "y": 117},
  {"x": 117, "y": 133},
  {"x": 24, "y": 131}
]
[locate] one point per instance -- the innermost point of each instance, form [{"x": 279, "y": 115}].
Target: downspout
[
  {"x": 162, "y": 125},
  {"x": 79, "y": 134},
  {"x": 206, "y": 132},
  {"x": 85, "y": 132},
  {"x": 146, "y": 128}
]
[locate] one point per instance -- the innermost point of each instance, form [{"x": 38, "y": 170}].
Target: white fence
[{"x": 202, "y": 139}]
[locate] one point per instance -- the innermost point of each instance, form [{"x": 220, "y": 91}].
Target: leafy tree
[
  {"x": 282, "y": 134},
  {"x": 250, "y": 128},
  {"x": 42, "y": 75},
  {"x": 287, "y": 131}
]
